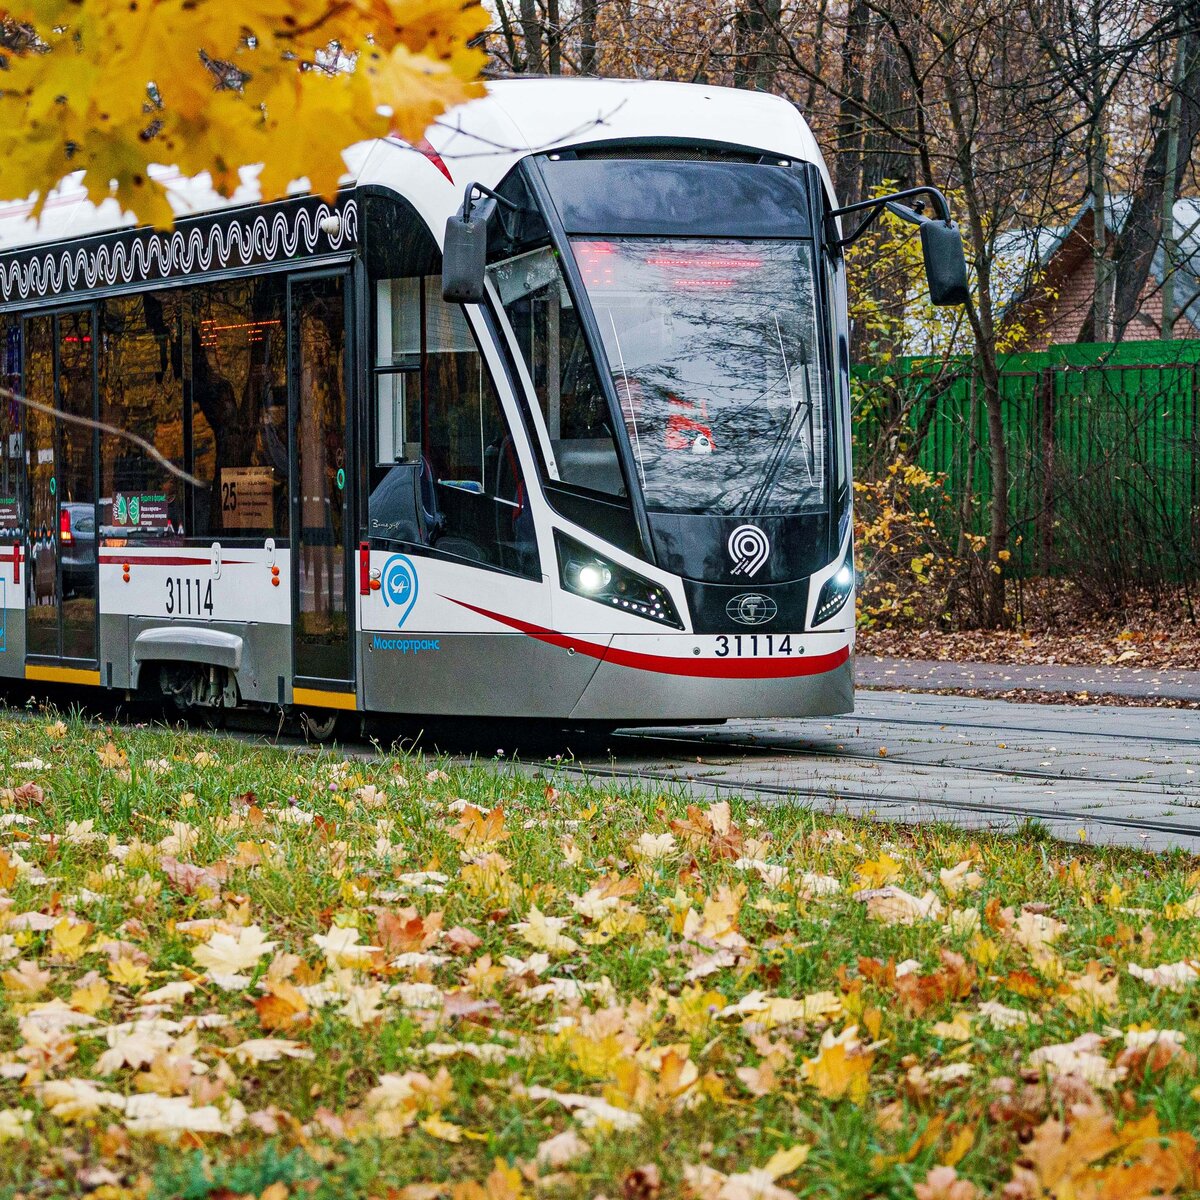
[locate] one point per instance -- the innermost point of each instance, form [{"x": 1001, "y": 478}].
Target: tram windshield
[{"x": 713, "y": 348}]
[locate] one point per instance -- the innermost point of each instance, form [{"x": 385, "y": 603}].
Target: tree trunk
[
  {"x": 1101, "y": 327},
  {"x": 589, "y": 57},
  {"x": 1142, "y": 232},
  {"x": 748, "y": 23},
  {"x": 768, "y": 56},
  {"x": 848, "y": 166},
  {"x": 982, "y": 319},
  {"x": 819, "y": 39},
  {"x": 883, "y": 158},
  {"x": 510, "y": 38},
  {"x": 531, "y": 27},
  {"x": 553, "y": 38},
  {"x": 1167, "y": 324}
]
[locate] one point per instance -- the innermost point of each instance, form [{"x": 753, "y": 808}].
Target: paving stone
[{"x": 1124, "y": 776}]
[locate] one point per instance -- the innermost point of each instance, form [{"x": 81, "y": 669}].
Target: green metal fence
[{"x": 1103, "y": 442}]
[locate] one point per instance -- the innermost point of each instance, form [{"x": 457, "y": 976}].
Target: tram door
[
  {"x": 60, "y": 372},
  {"x": 323, "y": 658}
]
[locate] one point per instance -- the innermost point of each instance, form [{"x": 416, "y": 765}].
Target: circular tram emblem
[
  {"x": 751, "y": 608},
  {"x": 748, "y": 547},
  {"x": 399, "y": 586}
]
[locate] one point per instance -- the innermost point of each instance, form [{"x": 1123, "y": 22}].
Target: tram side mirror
[
  {"x": 945, "y": 263},
  {"x": 464, "y": 257}
]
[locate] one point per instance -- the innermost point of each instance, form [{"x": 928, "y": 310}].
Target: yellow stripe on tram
[
  {"x": 61, "y": 674},
  {"x": 317, "y": 698}
]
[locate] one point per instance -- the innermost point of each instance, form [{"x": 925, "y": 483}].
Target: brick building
[{"x": 1055, "y": 307}]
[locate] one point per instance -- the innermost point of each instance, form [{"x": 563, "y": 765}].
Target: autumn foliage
[
  {"x": 229, "y": 972},
  {"x": 189, "y": 86}
]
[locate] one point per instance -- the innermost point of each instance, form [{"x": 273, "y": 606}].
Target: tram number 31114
[
  {"x": 189, "y": 597},
  {"x": 753, "y": 645}
]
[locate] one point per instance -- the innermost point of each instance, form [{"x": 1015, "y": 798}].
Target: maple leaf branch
[
  {"x": 330, "y": 14},
  {"x": 104, "y": 427}
]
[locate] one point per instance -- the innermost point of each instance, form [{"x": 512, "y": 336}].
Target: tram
[{"x": 546, "y": 417}]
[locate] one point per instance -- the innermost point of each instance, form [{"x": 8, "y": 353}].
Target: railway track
[
  {"x": 1120, "y": 775},
  {"x": 839, "y": 798}
]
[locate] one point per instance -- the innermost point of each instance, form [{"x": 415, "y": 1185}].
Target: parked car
[{"x": 77, "y": 549}]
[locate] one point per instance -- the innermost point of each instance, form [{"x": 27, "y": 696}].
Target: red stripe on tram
[
  {"x": 169, "y": 560},
  {"x": 665, "y": 664}
]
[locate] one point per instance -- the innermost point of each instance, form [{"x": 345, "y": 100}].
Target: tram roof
[{"x": 479, "y": 141}]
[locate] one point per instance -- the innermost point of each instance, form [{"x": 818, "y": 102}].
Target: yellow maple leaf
[
  {"x": 878, "y": 871},
  {"x": 1184, "y": 911},
  {"x": 9, "y": 872},
  {"x": 26, "y": 980},
  {"x": 112, "y": 756},
  {"x": 761, "y": 1080},
  {"x": 1061, "y": 1155},
  {"x": 282, "y": 1007},
  {"x": 479, "y": 831},
  {"x": 445, "y": 1131},
  {"x": 231, "y": 953},
  {"x": 983, "y": 950},
  {"x": 91, "y": 998},
  {"x": 694, "y": 1009},
  {"x": 784, "y": 1162},
  {"x": 598, "y": 1056},
  {"x": 960, "y": 1143},
  {"x": 546, "y": 933},
  {"x": 957, "y": 1030},
  {"x": 68, "y": 938},
  {"x": 127, "y": 973},
  {"x": 1090, "y": 994},
  {"x": 483, "y": 975},
  {"x": 82, "y": 101},
  {"x": 841, "y": 1067}
]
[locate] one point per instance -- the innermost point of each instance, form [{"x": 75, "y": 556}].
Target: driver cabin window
[
  {"x": 445, "y": 474},
  {"x": 551, "y": 340}
]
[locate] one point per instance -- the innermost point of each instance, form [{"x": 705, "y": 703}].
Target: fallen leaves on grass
[{"x": 484, "y": 987}]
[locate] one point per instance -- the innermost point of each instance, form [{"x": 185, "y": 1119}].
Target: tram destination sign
[{"x": 248, "y": 497}]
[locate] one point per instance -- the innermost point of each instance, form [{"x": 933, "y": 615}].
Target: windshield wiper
[{"x": 785, "y": 440}]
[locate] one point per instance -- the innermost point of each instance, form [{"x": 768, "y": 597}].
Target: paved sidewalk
[
  {"x": 926, "y": 675},
  {"x": 1112, "y": 775}
]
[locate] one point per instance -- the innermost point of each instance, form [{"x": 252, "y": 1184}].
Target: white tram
[{"x": 611, "y": 485}]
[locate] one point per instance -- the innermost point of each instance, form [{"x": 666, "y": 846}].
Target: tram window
[
  {"x": 398, "y": 364},
  {"x": 547, "y": 330},
  {"x": 835, "y": 284},
  {"x": 141, "y": 391},
  {"x": 239, "y": 408},
  {"x": 10, "y": 428},
  {"x": 444, "y": 472}
]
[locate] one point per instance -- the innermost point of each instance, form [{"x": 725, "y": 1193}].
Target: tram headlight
[
  {"x": 591, "y": 577},
  {"x": 835, "y": 591},
  {"x": 585, "y": 573}
]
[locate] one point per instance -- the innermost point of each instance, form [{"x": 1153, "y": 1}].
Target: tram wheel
[{"x": 319, "y": 725}]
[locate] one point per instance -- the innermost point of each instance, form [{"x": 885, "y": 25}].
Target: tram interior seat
[
  {"x": 589, "y": 463},
  {"x": 404, "y": 506},
  {"x": 488, "y": 522}
]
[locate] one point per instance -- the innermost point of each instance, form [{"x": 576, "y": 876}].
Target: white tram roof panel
[{"x": 480, "y": 140}]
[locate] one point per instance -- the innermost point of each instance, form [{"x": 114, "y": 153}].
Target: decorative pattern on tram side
[{"x": 197, "y": 246}]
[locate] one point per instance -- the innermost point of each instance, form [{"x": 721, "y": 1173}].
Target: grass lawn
[{"x": 229, "y": 971}]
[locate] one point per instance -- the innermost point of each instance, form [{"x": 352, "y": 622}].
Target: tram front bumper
[{"x": 637, "y": 681}]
